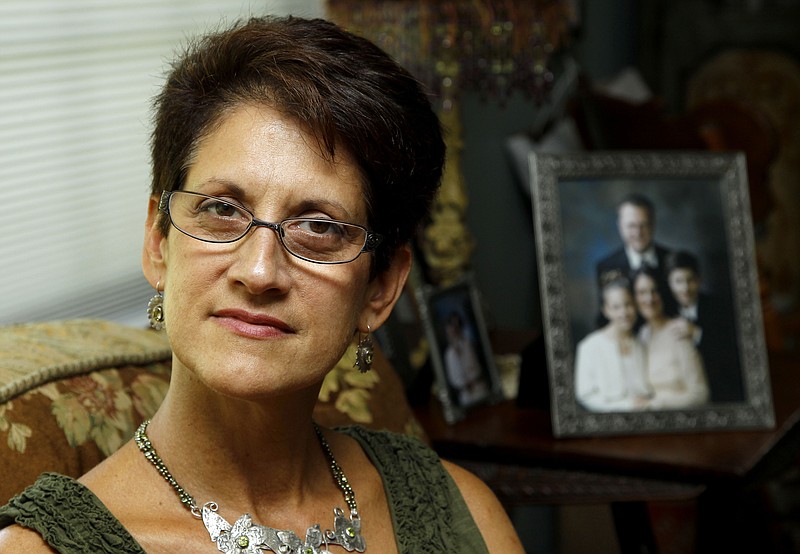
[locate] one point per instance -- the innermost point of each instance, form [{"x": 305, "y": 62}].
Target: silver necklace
[{"x": 246, "y": 537}]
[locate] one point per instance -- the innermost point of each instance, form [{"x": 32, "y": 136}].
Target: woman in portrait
[
  {"x": 674, "y": 366},
  {"x": 463, "y": 369},
  {"x": 292, "y": 163},
  {"x": 610, "y": 362}
]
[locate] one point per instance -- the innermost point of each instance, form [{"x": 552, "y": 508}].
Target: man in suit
[
  {"x": 710, "y": 324},
  {"x": 636, "y": 218}
]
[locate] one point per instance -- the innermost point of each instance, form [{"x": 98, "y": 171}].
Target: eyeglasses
[{"x": 217, "y": 220}]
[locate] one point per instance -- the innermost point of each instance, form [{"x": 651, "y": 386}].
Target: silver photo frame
[{"x": 700, "y": 205}]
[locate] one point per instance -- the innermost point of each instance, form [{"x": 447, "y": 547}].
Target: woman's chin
[{"x": 264, "y": 390}]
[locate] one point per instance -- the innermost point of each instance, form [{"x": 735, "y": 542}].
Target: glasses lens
[
  {"x": 208, "y": 218},
  {"x": 323, "y": 240}
]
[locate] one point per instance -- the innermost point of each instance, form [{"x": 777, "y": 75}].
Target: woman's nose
[{"x": 260, "y": 260}]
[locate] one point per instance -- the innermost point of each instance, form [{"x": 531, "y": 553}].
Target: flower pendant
[{"x": 246, "y": 537}]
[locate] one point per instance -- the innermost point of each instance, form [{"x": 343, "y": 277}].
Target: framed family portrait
[
  {"x": 649, "y": 286},
  {"x": 461, "y": 355}
]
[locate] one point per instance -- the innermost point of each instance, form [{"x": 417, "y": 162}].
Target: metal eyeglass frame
[{"x": 371, "y": 240}]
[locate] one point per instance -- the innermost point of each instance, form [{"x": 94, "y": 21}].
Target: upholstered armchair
[{"x": 72, "y": 392}]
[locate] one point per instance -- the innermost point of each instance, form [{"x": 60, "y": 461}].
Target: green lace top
[{"x": 428, "y": 512}]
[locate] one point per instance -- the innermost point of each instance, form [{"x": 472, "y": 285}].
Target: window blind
[{"x": 76, "y": 82}]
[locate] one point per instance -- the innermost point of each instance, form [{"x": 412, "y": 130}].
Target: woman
[
  {"x": 610, "y": 362},
  {"x": 318, "y": 137},
  {"x": 674, "y": 367}
]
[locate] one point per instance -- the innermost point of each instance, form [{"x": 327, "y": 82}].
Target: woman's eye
[
  {"x": 219, "y": 209},
  {"x": 321, "y": 227}
]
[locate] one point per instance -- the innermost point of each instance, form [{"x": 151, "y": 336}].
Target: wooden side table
[{"x": 512, "y": 448}]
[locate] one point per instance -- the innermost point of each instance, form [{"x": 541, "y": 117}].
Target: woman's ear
[
  {"x": 385, "y": 289},
  {"x": 154, "y": 248}
]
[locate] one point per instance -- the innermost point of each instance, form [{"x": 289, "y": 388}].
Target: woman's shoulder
[
  {"x": 44, "y": 496},
  {"x": 25, "y": 518},
  {"x": 421, "y": 493},
  {"x": 16, "y": 539},
  {"x": 58, "y": 509},
  {"x": 488, "y": 513},
  {"x": 450, "y": 496},
  {"x": 597, "y": 339}
]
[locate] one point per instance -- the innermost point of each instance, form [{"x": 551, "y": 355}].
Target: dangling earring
[
  {"x": 155, "y": 310},
  {"x": 365, "y": 352}
]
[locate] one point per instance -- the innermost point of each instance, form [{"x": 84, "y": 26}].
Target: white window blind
[{"x": 76, "y": 82}]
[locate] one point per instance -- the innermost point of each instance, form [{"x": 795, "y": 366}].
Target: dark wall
[{"x": 499, "y": 213}]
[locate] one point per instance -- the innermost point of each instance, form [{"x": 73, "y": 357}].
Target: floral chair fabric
[{"x": 72, "y": 392}]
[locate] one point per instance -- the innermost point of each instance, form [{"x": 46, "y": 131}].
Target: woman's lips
[{"x": 253, "y": 325}]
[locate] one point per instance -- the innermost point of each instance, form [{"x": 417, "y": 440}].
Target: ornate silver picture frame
[{"x": 633, "y": 360}]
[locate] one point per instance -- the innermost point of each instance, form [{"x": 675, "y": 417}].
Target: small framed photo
[
  {"x": 460, "y": 351},
  {"x": 650, "y": 298}
]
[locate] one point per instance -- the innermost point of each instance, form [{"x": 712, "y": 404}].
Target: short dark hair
[
  {"x": 345, "y": 91},
  {"x": 652, "y": 273},
  {"x": 681, "y": 259},
  {"x": 640, "y": 201},
  {"x": 667, "y": 301}
]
